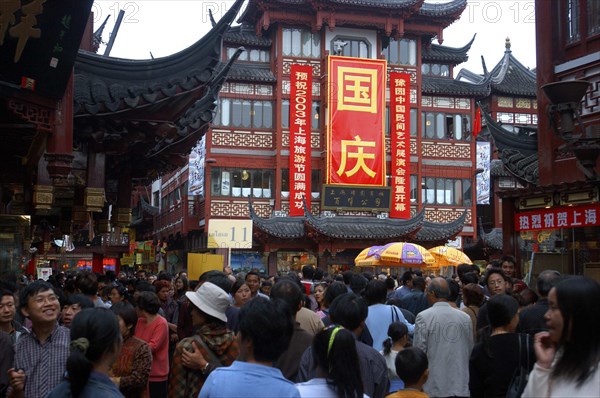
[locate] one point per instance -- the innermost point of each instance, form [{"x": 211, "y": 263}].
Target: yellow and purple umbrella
[
  {"x": 448, "y": 256},
  {"x": 397, "y": 254}
]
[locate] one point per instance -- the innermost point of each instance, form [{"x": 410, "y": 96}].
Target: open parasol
[
  {"x": 448, "y": 256},
  {"x": 397, "y": 254}
]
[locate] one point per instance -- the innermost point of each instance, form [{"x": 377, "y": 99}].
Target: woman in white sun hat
[{"x": 211, "y": 346}]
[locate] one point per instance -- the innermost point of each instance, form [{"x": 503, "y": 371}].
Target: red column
[
  {"x": 97, "y": 263},
  {"x": 59, "y": 152}
]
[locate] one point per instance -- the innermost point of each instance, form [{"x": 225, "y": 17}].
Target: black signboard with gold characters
[
  {"x": 39, "y": 40},
  {"x": 348, "y": 197}
]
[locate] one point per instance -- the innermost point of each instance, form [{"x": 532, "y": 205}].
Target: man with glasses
[
  {"x": 41, "y": 355},
  {"x": 497, "y": 283}
]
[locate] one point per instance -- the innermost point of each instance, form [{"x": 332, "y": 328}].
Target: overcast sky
[{"x": 163, "y": 27}]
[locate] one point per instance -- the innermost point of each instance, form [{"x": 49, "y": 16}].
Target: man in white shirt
[{"x": 445, "y": 334}]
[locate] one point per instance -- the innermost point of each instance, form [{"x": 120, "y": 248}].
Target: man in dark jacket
[{"x": 531, "y": 319}]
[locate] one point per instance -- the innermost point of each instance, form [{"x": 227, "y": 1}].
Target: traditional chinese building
[
  {"x": 510, "y": 157},
  {"x": 114, "y": 126},
  {"x": 246, "y": 155},
  {"x": 561, "y": 206}
]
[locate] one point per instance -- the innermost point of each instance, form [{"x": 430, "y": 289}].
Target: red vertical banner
[
  {"x": 355, "y": 132},
  {"x": 300, "y": 113},
  {"x": 400, "y": 145}
]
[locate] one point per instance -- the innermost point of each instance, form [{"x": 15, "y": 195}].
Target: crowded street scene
[{"x": 299, "y": 198}]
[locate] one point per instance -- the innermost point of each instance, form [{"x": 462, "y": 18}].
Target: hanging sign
[
  {"x": 355, "y": 133},
  {"x": 560, "y": 217},
  {"x": 300, "y": 112},
  {"x": 400, "y": 149}
]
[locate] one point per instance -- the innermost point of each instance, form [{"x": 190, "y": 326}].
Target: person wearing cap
[{"x": 212, "y": 345}]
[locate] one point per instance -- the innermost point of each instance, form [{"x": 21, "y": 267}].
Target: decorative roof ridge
[
  {"x": 380, "y": 3},
  {"x": 470, "y": 76},
  {"x": 270, "y": 224},
  {"x": 375, "y": 228},
  {"x": 442, "y": 9},
  {"x": 150, "y": 69},
  {"x": 462, "y": 49},
  {"x": 194, "y": 120},
  {"x": 505, "y": 139},
  {"x": 435, "y": 85}
]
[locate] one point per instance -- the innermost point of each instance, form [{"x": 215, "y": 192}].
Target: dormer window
[
  {"x": 401, "y": 52},
  {"x": 435, "y": 70},
  {"x": 301, "y": 43}
]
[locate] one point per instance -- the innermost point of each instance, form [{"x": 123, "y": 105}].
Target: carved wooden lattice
[
  {"x": 438, "y": 150},
  {"x": 43, "y": 118},
  {"x": 316, "y": 65},
  {"x": 446, "y": 215},
  {"x": 242, "y": 139}
]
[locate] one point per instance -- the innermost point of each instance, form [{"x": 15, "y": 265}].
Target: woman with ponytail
[
  {"x": 95, "y": 344},
  {"x": 338, "y": 368},
  {"x": 396, "y": 341}
]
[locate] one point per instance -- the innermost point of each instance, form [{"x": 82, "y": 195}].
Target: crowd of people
[{"x": 305, "y": 334}]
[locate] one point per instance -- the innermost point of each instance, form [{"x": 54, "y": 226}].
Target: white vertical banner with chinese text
[
  {"x": 300, "y": 112},
  {"x": 483, "y": 177},
  {"x": 196, "y": 166},
  {"x": 400, "y": 145}
]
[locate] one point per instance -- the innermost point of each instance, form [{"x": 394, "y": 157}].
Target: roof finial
[{"x": 507, "y": 44}]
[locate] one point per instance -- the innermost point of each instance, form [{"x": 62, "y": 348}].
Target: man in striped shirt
[{"x": 41, "y": 355}]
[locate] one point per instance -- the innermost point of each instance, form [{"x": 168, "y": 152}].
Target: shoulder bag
[{"x": 519, "y": 379}]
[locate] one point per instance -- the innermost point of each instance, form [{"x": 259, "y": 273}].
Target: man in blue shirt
[{"x": 265, "y": 330}]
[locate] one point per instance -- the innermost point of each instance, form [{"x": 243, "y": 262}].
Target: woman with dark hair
[
  {"x": 396, "y": 341},
  {"x": 154, "y": 330},
  {"x": 568, "y": 354},
  {"x": 240, "y": 292},
  {"x": 95, "y": 344},
  {"x": 318, "y": 291},
  {"x": 130, "y": 371},
  {"x": 502, "y": 351},
  {"x": 118, "y": 294},
  {"x": 338, "y": 368},
  {"x": 472, "y": 297},
  {"x": 181, "y": 287},
  {"x": 335, "y": 289}
]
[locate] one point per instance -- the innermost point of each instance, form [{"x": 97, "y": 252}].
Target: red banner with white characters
[
  {"x": 400, "y": 145},
  {"x": 560, "y": 217},
  {"x": 300, "y": 112},
  {"x": 355, "y": 134}
]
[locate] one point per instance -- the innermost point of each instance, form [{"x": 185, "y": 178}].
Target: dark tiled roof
[
  {"x": 435, "y": 9},
  {"x": 493, "y": 238},
  {"x": 445, "y": 85},
  {"x": 433, "y": 231},
  {"x": 497, "y": 169},
  {"x": 517, "y": 150},
  {"x": 438, "y": 53},
  {"x": 251, "y": 72},
  {"x": 509, "y": 76},
  {"x": 374, "y": 3},
  {"x": 344, "y": 227},
  {"x": 512, "y": 77},
  {"x": 244, "y": 35},
  {"x": 280, "y": 227},
  {"x": 104, "y": 85}
]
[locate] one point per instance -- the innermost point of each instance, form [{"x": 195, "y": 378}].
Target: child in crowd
[{"x": 412, "y": 367}]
